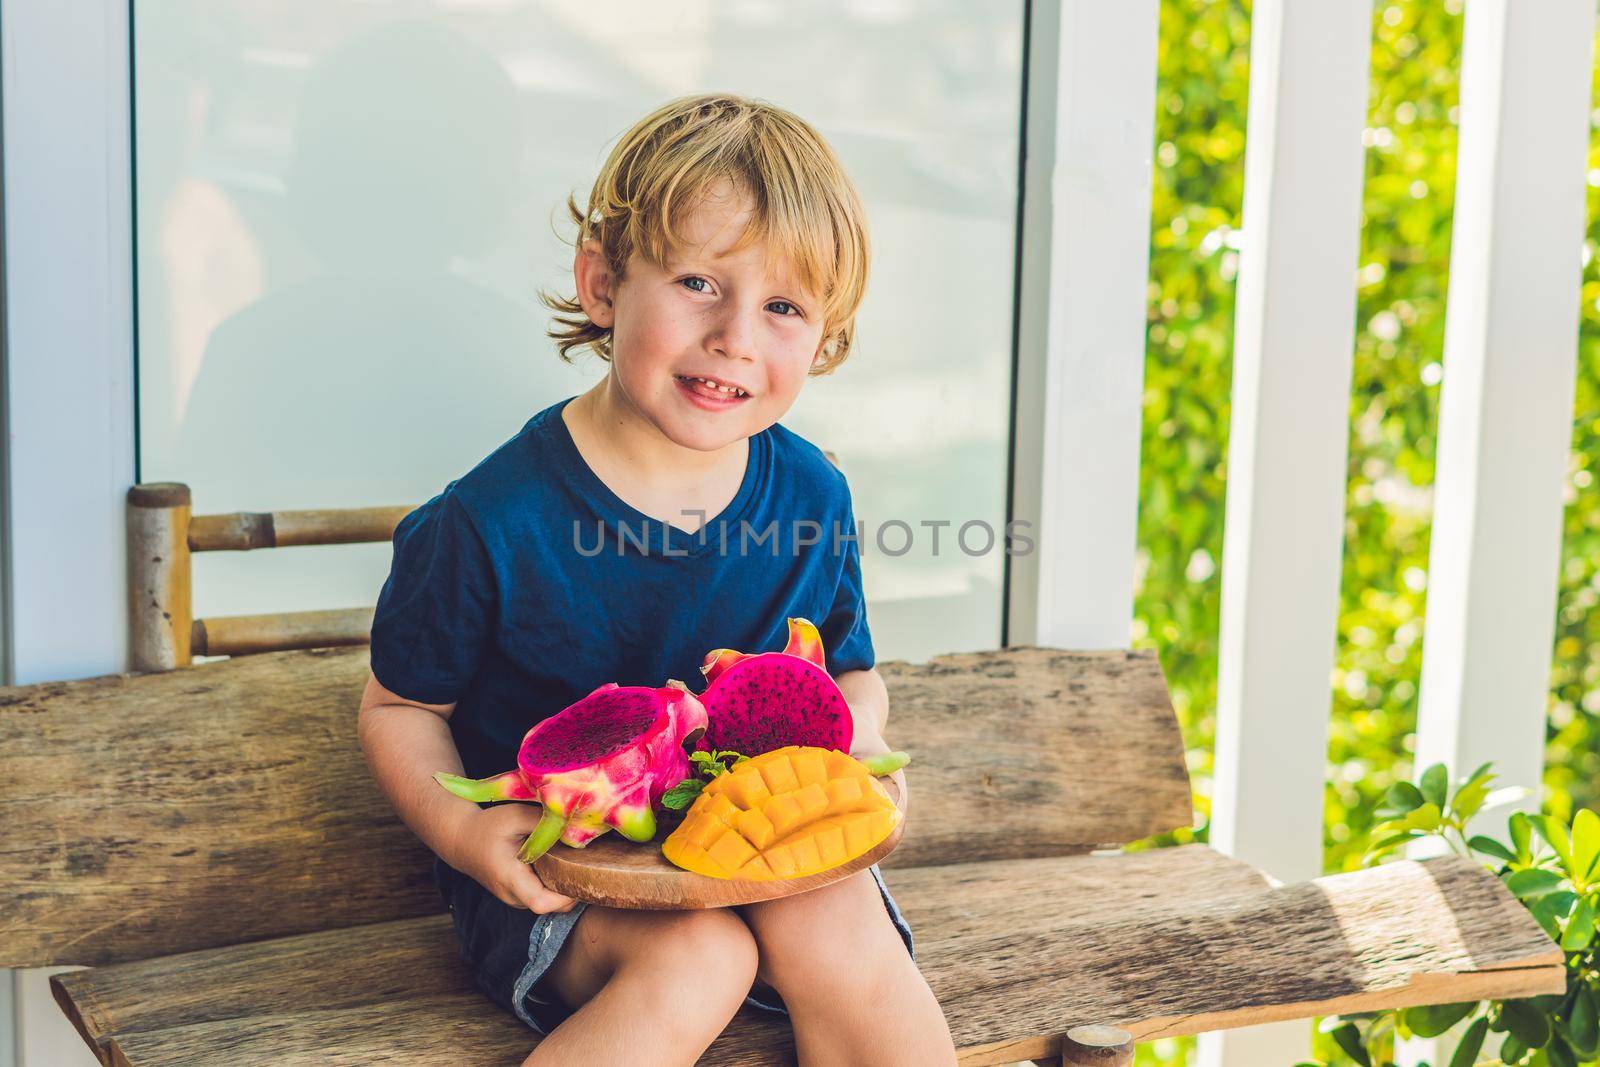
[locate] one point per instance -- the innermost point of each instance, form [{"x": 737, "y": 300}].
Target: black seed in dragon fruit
[{"x": 769, "y": 700}]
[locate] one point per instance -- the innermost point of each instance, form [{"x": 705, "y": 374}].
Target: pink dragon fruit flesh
[
  {"x": 757, "y": 703},
  {"x": 602, "y": 763}
]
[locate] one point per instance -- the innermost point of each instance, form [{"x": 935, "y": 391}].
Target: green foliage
[
  {"x": 706, "y": 766},
  {"x": 1554, "y": 871},
  {"x": 1408, "y": 198}
]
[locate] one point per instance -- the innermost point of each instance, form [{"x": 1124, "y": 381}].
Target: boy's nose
[{"x": 734, "y": 334}]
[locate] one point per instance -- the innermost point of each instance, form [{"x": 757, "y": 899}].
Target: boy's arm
[
  {"x": 405, "y": 742},
  {"x": 868, "y": 698},
  {"x": 869, "y": 707}
]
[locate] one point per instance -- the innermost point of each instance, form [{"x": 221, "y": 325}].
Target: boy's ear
[
  {"x": 825, "y": 347},
  {"x": 595, "y": 284}
]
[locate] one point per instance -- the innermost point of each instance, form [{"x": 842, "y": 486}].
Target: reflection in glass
[{"x": 345, "y": 212}]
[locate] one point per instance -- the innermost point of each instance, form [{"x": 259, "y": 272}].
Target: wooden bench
[{"x": 208, "y": 841}]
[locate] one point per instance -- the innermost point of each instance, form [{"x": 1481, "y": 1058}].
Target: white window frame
[
  {"x": 1079, "y": 372},
  {"x": 69, "y": 367}
]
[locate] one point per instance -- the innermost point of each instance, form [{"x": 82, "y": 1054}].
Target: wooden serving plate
[{"x": 619, "y": 873}]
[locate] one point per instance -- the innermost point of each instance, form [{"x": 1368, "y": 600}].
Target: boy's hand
[
  {"x": 873, "y": 744},
  {"x": 487, "y": 853}
]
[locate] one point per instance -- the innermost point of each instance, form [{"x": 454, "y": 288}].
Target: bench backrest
[{"x": 147, "y": 814}]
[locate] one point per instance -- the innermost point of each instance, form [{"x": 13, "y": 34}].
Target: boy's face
[{"x": 710, "y": 313}]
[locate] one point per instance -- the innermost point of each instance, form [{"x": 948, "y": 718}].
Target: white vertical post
[
  {"x": 1505, "y": 418},
  {"x": 1080, "y": 373},
  {"x": 1294, "y": 340},
  {"x": 68, "y": 383}
]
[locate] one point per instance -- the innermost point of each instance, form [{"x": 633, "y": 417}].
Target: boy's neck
[{"x": 643, "y": 466}]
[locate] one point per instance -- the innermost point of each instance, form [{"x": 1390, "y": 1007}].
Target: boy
[{"x": 719, "y": 262}]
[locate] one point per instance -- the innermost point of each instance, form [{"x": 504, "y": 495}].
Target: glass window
[{"x": 345, "y": 212}]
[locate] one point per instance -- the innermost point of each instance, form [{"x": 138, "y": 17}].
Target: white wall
[{"x": 68, "y": 380}]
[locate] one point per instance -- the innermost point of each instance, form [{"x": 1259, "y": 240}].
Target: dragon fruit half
[
  {"x": 601, "y": 763},
  {"x": 770, "y": 700}
]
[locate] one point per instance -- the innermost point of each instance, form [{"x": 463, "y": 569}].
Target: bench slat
[
  {"x": 1160, "y": 942},
  {"x": 152, "y": 813},
  {"x": 448, "y": 1029},
  {"x": 148, "y": 814}
]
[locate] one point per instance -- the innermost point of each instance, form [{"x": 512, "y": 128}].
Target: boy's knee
[
  {"x": 695, "y": 973},
  {"x": 860, "y": 952},
  {"x": 836, "y": 974},
  {"x": 715, "y": 939},
  {"x": 720, "y": 932}
]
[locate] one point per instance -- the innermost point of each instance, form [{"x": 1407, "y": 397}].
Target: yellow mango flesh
[{"x": 787, "y": 813}]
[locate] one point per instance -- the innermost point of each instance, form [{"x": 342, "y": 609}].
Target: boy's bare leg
[
  {"x": 853, "y": 992},
  {"x": 655, "y": 987}
]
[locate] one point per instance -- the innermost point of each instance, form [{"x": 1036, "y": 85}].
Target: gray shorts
[{"x": 509, "y": 949}]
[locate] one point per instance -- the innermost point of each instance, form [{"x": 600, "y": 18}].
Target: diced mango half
[{"x": 787, "y": 813}]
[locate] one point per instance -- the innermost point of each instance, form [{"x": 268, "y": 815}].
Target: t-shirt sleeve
[
  {"x": 846, "y": 640},
  {"x": 437, "y": 609}
]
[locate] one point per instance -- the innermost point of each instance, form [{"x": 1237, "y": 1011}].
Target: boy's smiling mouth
[{"x": 711, "y": 393}]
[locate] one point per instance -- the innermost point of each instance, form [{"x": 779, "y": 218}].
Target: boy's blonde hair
[{"x": 803, "y": 206}]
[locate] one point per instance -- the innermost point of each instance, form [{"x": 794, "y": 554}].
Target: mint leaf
[{"x": 681, "y": 795}]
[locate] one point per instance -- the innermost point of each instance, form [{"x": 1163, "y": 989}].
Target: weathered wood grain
[
  {"x": 399, "y": 960},
  {"x": 618, "y": 873},
  {"x": 148, "y": 814},
  {"x": 160, "y": 602},
  {"x": 1159, "y": 943},
  {"x": 1034, "y": 752},
  {"x": 1096, "y": 1045},
  {"x": 463, "y": 1028},
  {"x": 241, "y": 531},
  {"x": 247, "y": 635}
]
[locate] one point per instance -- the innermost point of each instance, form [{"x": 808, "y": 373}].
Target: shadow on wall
[{"x": 393, "y": 175}]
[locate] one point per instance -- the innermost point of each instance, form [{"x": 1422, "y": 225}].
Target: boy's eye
[{"x": 695, "y": 283}]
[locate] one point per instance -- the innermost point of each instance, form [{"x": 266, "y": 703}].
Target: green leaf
[
  {"x": 1585, "y": 843},
  {"x": 1499, "y": 798},
  {"x": 1555, "y": 835},
  {"x": 1579, "y": 932},
  {"x": 1425, "y": 818},
  {"x": 1548, "y": 1003},
  {"x": 1527, "y": 1023},
  {"x": 1348, "y": 1037},
  {"x": 1533, "y": 882},
  {"x": 1468, "y": 799},
  {"x": 1490, "y": 846},
  {"x": 1376, "y": 850},
  {"x": 1403, "y": 797},
  {"x": 1471, "y": 1042},
  {"x": 1583, "y": 1026},
  {"x": 1431, "y": 1020},
  {"x": 1559, "y": 1054},
  {"x": 1549, "y": 911},
  {"x": 1433, "y": 783},
  {"x": 1512, "y": 1050},
  {"x": 682, "y": 795},
  {"x": 1521, "y": 833}
]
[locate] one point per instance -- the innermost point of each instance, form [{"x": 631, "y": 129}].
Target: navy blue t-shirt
[{"x": 527, "y": 582}]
